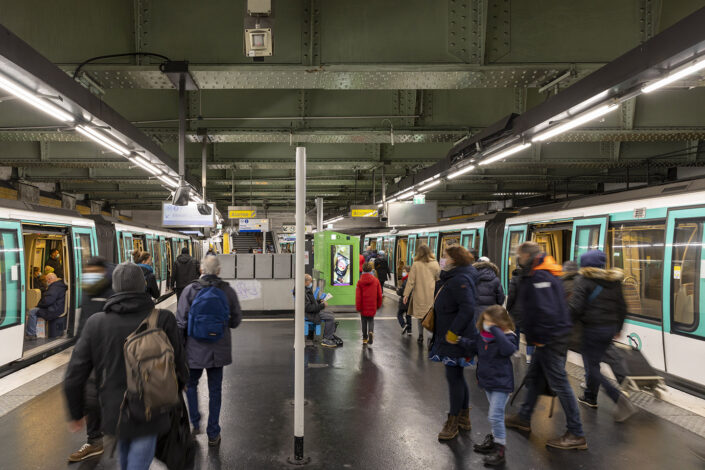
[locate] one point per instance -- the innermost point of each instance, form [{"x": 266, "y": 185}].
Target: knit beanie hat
[
  {"x": 128, "y": 277},
  {"x": 593, "y": 259}
]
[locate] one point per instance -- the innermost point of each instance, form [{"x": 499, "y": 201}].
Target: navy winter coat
[
  {"x": 454, "y": 310},
  {"x": 205, "y": 354},
  {"x": 489, "y": 289},
  {"x": 494, "y": 359},
  {"x": 150, "y": 279},
  {"x": 53, "y": 301},
  {"x": 545, "y": 311}
]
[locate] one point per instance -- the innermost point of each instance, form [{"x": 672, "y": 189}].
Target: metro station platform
[{"x": 377, "y": 407}]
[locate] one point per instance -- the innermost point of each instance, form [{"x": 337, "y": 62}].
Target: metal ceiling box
[
  {"x": 259, "y": 7},
  {"x": 258, "y": 42}
]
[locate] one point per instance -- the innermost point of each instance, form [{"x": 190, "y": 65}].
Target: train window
[
  {"x": 476, "y": 243},
  {"x": 685, "y": 274},
  {"x": 638, "y": 251},
  {"x": 446, "y": 241},
  {"x": 587, "y": 238},
  {"x": 10, "y": 285},
  {"x": 551, "y": 243},
  {"x": 515, "y": 239},
  {"x": 157, "y": 258}
]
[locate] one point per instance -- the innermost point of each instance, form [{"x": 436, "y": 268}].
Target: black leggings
[{"x": 457, "y": 390}]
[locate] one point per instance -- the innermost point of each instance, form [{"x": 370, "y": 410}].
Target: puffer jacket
[
  {"x": 368, "y": 295},
  {"x": 607, "y": 307},
  {"x": 454, "y": 310},
  {"x": 489, "y": 289},
  {"x": 53, "y": 301},
  {"x": 494, "y": 359},
  {"x": 95, "y": 297},
  {"x": 568, "y": 280},
  {"x": 186, "y": 270},
  {"x": 545, "y": 315},
  {"x": 313, "y": 306}
]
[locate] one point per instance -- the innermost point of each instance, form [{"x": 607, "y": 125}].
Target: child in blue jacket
[{"x": 494, "y": 348}]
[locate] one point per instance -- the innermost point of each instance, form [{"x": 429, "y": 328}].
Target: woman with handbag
[
  {"x": 453, "y": 313},
  {"x": 418, "y": 294}
]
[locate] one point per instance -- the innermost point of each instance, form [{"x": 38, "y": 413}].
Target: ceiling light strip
[
  {"x": 430, "y": 185},
  {"x": 675, "y": 76},
  {"x": 505, "y": 153},
  {"x": 103, "y": 140},
  {"x": 462, "y": 171},
  {"x": 31, "y": 98},
  {"x": 146, "y": 165},
  {"x": 575, "y": 122}
]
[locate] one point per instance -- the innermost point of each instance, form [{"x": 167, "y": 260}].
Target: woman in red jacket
[{"x": 368, "y": 298}]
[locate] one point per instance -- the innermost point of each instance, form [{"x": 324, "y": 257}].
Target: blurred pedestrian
[
  {"x": 402, "y": 309},
  {"x": 381, "y": 267},
  {"x": 418, "y": 294},
  {"x": 186, "y": 270},
  {"x": 143, "y": 259}
]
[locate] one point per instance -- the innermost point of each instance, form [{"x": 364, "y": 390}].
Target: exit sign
[{"x": 420, "y": 199}]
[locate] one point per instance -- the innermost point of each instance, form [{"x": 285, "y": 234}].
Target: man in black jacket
[
  {"x": 315, "y": 313},
  {"x": 51, "y": 306},
  {"x": 101, "y": 348},
  {"x": 598, "y": 304},
  {"x": 186, "y": 270},
  {"x": 382, "y": 268},
  {"x": 97, "y": 284},
  {"x": 55, "y": 262}
]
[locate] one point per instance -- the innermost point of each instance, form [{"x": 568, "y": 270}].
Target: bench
[{"x": 309, "y": 324}]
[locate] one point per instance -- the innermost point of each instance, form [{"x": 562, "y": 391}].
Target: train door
[
  {"x": 467, "y": 239},
  {"x": 411, "y": 249},
  {"x": 85, "y": 245},
  {"x": 391, "y": 257},
  {"x": 12, "y": 288},
  {"x": 162, "y": 264},
  {"x": 433, "y": 243},
  {"x": 684, "y": 294},
  {"x": 448, "y": 239},
  {"x": 514, "y": 236},
  {"x": 400, "y": 259},
  {"x": 127, "y": 247},
  {"x": 588, "y": 234}
]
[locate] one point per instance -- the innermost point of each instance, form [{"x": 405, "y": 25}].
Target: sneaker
[
  {"x": 86, "y": 452},
  {"x": 364, "y": 340},
  {"x": 515, "y": 421},
  {"x": 371, "y": 337},
  {"x": 337, "y": 340},
  {"x": 329, "y": 343},
  {"x": 405, "y": 330},
  {"x": 568, "y": 441},
  {"x": 195, "y": 431},
  {"x": 624, "y": 410},
  {"x": 487, "y": 446},
  {"x": 30, "y": 337},
  {"x": 420, "y": 340},
  {"x": 583, "y": 385},
  {"x": 495, "y": 458},
  {"x": 408, "y": 332},
  {"x": 214, "y": 441},
  {"x": 587, "y": 402}
]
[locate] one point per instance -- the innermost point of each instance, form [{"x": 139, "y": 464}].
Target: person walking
[
  {"x": 186, "y": 269},
  {"x": 368, "y": 298},
  {"x": 454, "y": 308},
  {"x": 418, "y": 294},
  {"x": 207, "y": 311},
  {"x": 381, "y": 267},
  {"x": 144, "y": 260},
  {"x": 495, "y": 375},
  {"x": 403, "y": 316},
  {"x": 598, "y": 305},
  {"x": 97, "y": 285},
  {"x": 100, "y": 348},
  {"x": 546, "y": 324},
  {"x": 489, "y": 289}
]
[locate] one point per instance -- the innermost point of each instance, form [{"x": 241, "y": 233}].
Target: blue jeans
[
  {"x": 31, "y": 327},
  {"x": 215, "y": 385},
  {"x": 138, "y": 453},
  {"x": 498, "y": 401},
  {"x": 596, "y": 340},
  {"x": 549, "y": 362}
]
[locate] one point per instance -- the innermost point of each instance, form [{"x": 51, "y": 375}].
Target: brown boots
[
  {"x": 464, "y": 420},
  {"x": 453, "y": 423}
]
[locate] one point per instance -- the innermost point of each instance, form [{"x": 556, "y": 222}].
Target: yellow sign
[
  {"x": 240, "y": 214},
  {"x": 365, "y": 213}
]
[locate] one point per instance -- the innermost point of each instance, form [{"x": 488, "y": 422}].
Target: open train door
[
  {"x": 12, "y": 294},
  {"x": 514, "y": 235},
  {"x": 411, "y": 249},
  {"x": 85, "y": 245},
  {"x": 588, "y": 234}
]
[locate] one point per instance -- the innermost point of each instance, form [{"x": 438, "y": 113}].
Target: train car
[{"x": 656, "y": 236}]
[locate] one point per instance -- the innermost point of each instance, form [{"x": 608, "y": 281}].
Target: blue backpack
[{"x": 209, "y": 314}]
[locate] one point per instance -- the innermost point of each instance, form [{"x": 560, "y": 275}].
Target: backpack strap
[
  {"x": 152, "y": 319},
  {"x": 595, "y": 293}
]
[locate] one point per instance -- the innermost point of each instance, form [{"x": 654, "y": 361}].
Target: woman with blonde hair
[{"x": 420, "y": 286}]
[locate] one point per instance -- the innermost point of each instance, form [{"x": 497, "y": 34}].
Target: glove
[{"x": 451, "y": 337}]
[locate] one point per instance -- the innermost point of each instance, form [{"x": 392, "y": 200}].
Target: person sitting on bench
[
  {"x": 50, "y": 307},
  {"x": 315, "y": 314}
]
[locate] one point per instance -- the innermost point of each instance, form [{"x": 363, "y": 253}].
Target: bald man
[
  {"x": 50, "y": 307},
  {"x": 316, "y": 314}
]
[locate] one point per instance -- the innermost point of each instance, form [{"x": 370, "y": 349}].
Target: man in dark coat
[
  {"x": 97, "y": 285},
  {"x": 211, "y": 356},
  {"x": 546, "y": 324},
  {"x": 186, "y": 270},
  {"x": 315, "y": 313},
  {"x": 489, "y": 289},
  {"x": 100, "y": 348},
  {"x": 382, "y": 268},
  {"x": 55, "y": 262},
  {"x": 50, "y": 307}
]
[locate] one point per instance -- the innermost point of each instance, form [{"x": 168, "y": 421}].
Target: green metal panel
[
  {"x": 506, "y": 254},
  {"x": 659, "y": 213},
  {"x": 77, "y": 259},
  {"x": 324, "y": 261},
  {"x": 467, "y": 238},
  {"x": 13, "y": 275},
  {"x": 410, "y": 249},
  {"x": 580, "y": 241},
  {"x": 433, "y": 243}
]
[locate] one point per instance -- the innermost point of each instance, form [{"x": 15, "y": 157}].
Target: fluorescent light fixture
[
  {"x": 146, "y": 165},
  {"x": 406, "y": 195},
  {"x": 168, "y": 181},
  {"x": 103, "y": 140},
  {"x": 675, "y": 76},
  {"x": 505, "y": 153},
  {"x": 389, "y": 201},
  {"x": 575, "y": 122},
  {"x": 380, "y": 204},
  {"x": 462, "y": 171},
  {"x": 430, "y": 185},
  {"x": 38, "y": 102},
  {"x": 197, "y": 198}
]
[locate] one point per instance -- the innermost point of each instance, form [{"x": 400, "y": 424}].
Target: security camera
[{"x": 204, "y": 209}]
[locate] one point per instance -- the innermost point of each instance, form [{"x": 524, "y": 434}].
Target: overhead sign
[
  {"x": 242, "y": 212},
  {"x": 187, "y": 216},
  {"x": 364, "y": 211},
  {"x": 420, "y": 199},
  {"x": 254, "y": 225},
  {"x": 291, "y": 228}
]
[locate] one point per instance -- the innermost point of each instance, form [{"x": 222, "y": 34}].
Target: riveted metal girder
[
  {"x": 632, "y": 135},
  {"x": 340, "y": 77}
]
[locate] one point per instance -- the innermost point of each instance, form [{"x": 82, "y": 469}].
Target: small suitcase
[{"x": 640, "y": 375}]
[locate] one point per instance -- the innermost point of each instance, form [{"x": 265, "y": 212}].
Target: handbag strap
[{"x": 438, "y": 293}]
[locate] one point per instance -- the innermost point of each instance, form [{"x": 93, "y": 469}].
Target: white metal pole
[{"x": 299, "y": 305}]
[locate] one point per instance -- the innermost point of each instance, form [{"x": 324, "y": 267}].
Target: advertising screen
[
  {"x": 340, "y": 262},
  {"x": 187, "y": 216}
]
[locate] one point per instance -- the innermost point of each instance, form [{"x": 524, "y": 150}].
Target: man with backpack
[
  {"x": 207, "y": 310},
  {"x": 186, "y": 270},
  {"x": 121, "y": 343}
]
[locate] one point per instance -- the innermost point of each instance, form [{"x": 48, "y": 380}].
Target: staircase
[{"x": 244, "y": 242}]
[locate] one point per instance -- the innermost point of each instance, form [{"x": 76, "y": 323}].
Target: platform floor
[{"x": 377, "y": 407}]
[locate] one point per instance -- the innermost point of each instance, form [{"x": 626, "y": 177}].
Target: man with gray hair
[
  {"x": 207, "y": 310},
  {"x": 51, "y": 306}
]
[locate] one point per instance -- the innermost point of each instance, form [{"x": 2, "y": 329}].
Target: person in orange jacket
[{"x": 368, "y": 298}]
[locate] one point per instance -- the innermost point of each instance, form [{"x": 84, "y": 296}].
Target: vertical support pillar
[
  {"x": 384, "y": 190},
  {"x": 182, "y": 127},
  {"x": 204, "y": 150},
  {"x": 299, "y": 305},
  {"x": 319, "y": 214}
]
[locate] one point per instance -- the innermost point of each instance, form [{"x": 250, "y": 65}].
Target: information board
[
  {"x": 364, "y": 211},
  {"x": 242, "y": 212},
  {"x": 187, "y": 216},
  {"x": 254, "y": 225}
]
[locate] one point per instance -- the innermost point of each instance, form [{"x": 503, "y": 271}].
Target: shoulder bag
[{"x": 429, "y": 320}]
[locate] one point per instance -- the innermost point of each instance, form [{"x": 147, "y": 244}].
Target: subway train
[
  {"x": 654, "y": 234},
  {"x": 29, "y": 234}
]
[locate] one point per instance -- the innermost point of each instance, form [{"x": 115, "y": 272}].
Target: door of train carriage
[
  {"x": 12, "y": 289},
  {"x": 588, "y": 234},
  {"x": 411, "y": 249},
  {"x": 400, "y": 257},
  {"x": 163, "y": 265},
  {"x": 391, "y": 259},
  {"x": 684, "y": 294},
  {"x": 85, "y": 245},
  {"x": 472, "y": 240},
  {"x": 514, "y": 235}
]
